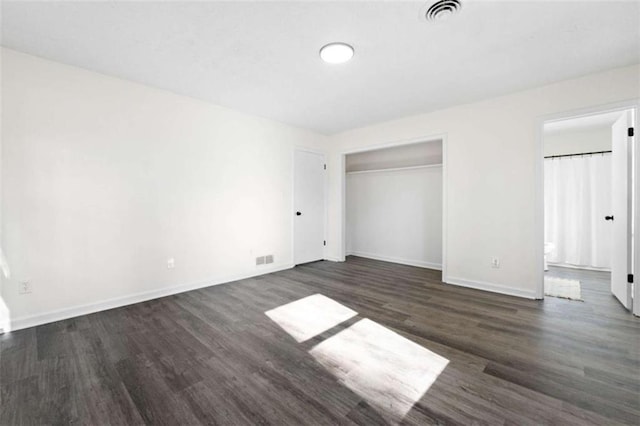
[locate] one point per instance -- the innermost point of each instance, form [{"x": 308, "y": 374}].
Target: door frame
[
  {"x": 631, "y": 104},
  {"x": 325, "y": 213},
  {"x": 439, "y": 137}
]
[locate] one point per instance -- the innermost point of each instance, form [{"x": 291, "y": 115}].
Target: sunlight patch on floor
[
  {"x": 390, "y": 372},
  {"x": 310, "y": 316}
]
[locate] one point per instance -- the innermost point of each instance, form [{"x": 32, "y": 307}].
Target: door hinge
[
  {"x": 630, "y": 278},
  {"x": 324, "y": 243},
  {"x": 630, "y": 132},
  {"x": 325, "y": 167}
]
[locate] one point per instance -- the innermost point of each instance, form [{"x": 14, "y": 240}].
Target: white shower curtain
[{"x": 577, "y": 196}]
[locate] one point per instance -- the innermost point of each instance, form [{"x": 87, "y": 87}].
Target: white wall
[
  {"x": 490, "y": 175},
  {"x": 396, "y": 215},
  {"x": 577, "y": 141},
  {"x": 103, "y": 180}
]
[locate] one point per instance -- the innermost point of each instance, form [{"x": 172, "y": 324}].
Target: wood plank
[{"x": 212, "y": 356}]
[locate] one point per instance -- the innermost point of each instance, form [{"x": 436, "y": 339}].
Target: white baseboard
[
  {"x": 418, "y": 263},
  {"x": 494, "y": 288},
  {"x": 75, "y": 311}
]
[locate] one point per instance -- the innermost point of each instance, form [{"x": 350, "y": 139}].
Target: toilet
[{"x": 548, "y": 248}]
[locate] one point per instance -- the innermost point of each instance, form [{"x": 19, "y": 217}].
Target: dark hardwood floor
[{"x": 213, "y": 356}]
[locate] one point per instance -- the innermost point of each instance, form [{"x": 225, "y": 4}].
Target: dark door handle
[
  {"x": 298, "y": 214},
  {"x": 608, "y": 218}
]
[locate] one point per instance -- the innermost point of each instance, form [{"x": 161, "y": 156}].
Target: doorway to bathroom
[{"x": 588, "y": 191}]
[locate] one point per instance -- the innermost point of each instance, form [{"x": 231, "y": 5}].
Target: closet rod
[
  {"x": 395, "y": 169},
  {"x": 577, "y": 155}
]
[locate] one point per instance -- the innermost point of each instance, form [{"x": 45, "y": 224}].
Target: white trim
[
  {"x": 293, "y": 205},
  {"x": 333, "y": 259},
  {"x": 343, "y": 206},
  {"x": 75, "y": 311},
  {"x": 539, "y": 178},
  {"x": 418, "y": 263},
  {"x": 538, "y": 221},
  {"x": 442, "y": 137},
  {"x": 445, "y": 203},
  {"x": 494, "y": 288},
  {"x": 326, "y": 205},
  {"x": 396, "y": 169}
]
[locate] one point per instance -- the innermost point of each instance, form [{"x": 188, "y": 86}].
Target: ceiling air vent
[{"x": 441, "y": 10}]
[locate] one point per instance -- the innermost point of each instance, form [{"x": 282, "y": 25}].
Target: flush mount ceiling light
[
  {"x": 336, "y": 53},
  {"x": 441, "y": 10}
]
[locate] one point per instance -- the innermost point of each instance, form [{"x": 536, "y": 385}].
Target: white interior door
[
  {"x": 635, "y": 179},
  {"x": 309, "y": 208},
  {"x": 621, "y": 206}
]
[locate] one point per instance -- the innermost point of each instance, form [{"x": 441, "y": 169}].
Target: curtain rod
[{"x": 577, "y": 155}]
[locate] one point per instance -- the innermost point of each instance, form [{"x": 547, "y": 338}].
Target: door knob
[
  {"x": 608, "y": 217},
  {"x": 298, "y": 214}
]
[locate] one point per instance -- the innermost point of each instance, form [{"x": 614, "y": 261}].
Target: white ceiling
[{"x": 262, "y": 57}]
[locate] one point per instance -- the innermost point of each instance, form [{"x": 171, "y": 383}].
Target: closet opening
[{"x": 394, "y": 204}]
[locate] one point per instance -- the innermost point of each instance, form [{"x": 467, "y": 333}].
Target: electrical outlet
[
  {"x": 24, "y": 287},
  {"x": 495, "y": 262},
  {"x": 171, "y": 263}
]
